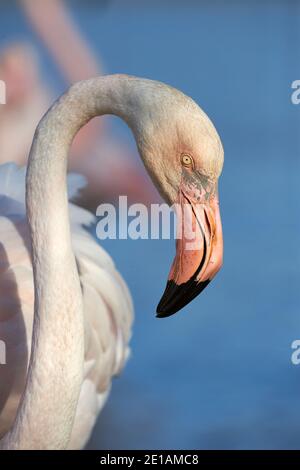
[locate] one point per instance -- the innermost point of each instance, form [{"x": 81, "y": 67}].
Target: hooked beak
[{"x": 199, "y": 248}]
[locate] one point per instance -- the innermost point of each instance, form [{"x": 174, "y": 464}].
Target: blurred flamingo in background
[{"x": 29, "y": 98}]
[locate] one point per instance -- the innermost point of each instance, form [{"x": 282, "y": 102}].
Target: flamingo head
[{"x": 183, "y": 154}]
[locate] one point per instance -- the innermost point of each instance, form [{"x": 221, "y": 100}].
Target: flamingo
[{"x": 60, "y": 288}]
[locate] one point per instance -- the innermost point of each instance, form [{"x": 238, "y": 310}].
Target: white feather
[{"x": 107, "y": 305}]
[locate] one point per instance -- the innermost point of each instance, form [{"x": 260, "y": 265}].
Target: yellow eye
[{"x": 187, "y": 160}]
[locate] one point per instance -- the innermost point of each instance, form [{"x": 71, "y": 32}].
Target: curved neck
[{"x": 48, "y": 406}]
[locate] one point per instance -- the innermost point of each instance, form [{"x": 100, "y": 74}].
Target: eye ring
[{"x": 186, "y": 160}]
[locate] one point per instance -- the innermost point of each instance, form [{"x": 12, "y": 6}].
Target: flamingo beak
[{"x": 199, "y": 248}]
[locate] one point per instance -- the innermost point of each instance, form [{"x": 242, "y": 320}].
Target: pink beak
[{"x": 199, "y": 248}]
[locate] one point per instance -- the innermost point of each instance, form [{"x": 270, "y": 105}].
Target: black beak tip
[
  {"x": 166, "y": 306},
  {"x": 161, "y": 313},
  {"x": 177, "y": 296}
]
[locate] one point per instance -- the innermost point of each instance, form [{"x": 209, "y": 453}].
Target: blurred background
[{"x": 218, "y": 375}]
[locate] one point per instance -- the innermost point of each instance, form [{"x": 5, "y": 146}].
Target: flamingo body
[{"x": 106, "y": 300}]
